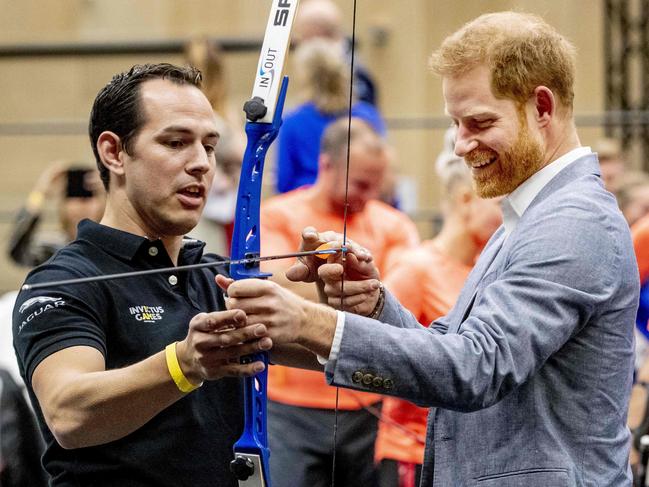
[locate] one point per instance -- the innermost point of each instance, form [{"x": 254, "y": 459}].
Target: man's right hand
[
  {"x": 352, "y": 276},
  {"x": 216, "y": 341},
  {"x": 352, "y": 285}
]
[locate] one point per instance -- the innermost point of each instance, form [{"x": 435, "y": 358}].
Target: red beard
[{"x": 509, "y": 169}]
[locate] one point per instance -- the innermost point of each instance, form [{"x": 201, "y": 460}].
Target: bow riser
[
  {"x": 245, "y": 237},
  {"x": 251, "y": 450},
  {"x": 264, "y": 114}
]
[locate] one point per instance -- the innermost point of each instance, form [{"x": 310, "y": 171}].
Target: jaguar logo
[{"x": 37, "y": 299}]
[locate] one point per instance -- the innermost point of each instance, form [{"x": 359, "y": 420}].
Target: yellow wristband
[{"x": 176, "y": 372}]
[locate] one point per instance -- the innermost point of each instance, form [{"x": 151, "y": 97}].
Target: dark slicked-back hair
[{"x": 118, "y": 109}]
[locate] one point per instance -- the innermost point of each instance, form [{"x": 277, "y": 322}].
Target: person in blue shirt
[{"x": 323, "y": 81}]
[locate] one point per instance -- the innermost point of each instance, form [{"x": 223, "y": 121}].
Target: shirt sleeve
[
  {"x": 284, "y": 163},
  {"x": 277, "y": 237},
  {"x": 371, "y": 115},
  {"x": 51, "y": 319},
  {"x": 402, "y": 236}
]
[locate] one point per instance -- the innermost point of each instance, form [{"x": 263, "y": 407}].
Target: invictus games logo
[
  {"x": 147, "y": 314},
  {"x": 40, "y": 304}
]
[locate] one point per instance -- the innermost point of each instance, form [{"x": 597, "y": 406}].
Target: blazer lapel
[
  {"x": 582, "y": 166},
  {"x": 465, "y": 301}
]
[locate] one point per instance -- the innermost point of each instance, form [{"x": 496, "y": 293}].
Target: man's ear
[
  {"x": 109, "y": 147},
  {"x": 325, "y": 162},
  {"x": 545, "y": 105}
]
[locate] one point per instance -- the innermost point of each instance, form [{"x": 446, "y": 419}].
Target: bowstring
[{"x": 346, "y": 208}]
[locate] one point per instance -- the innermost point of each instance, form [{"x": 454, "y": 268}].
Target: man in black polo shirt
[{"x": 112, "y": 366}]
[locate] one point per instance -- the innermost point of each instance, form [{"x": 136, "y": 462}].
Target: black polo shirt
[{"x": 127, "y": 320}]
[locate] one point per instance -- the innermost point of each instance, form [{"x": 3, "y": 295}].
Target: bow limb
[{"x": 264, "y": 118}]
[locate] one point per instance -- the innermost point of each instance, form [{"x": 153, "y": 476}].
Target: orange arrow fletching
[{"x": 326, "y": 246}]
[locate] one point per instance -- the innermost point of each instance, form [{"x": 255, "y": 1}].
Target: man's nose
[
  {"x": 464, "y": 142},
  {"x": 201, "y": 160}
]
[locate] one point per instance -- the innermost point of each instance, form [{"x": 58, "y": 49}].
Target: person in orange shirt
[
  {"x": 427, "y": 280},
  {"x": 640, "y": 234},
  {"x": 638, "y": 418},
  {"x": 301, "y": 406}
]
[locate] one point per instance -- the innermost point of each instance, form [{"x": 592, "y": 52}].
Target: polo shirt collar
[{"x": 126, "y": 245}]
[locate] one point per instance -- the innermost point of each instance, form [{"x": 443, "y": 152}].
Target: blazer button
[
  {"x": 388, "y": 384},
  {"x": 367, "y": 379},
  {"x": 357, "y": 376},
  {"x": 377, "y": 382}
]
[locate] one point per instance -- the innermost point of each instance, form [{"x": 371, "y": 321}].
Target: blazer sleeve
[{"x": 558, "y": 275}]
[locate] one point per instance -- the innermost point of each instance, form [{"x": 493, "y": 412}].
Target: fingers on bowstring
[
  {"x": 330, "y": 273},
  {"x": 354, "y": 304},
  {"x": 312, "y": 239},
  {"x": 347, "y": 289},
  {"x": 358, "y": 303},
  {"x": 305, "y": 268},
  {"x": 357, "y": 253},
  {"x": 309, "y": 234}
]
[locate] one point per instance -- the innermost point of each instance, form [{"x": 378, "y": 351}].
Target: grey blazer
[{"x": 528, "y": 377}]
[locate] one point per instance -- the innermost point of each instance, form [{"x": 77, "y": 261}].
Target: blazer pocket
[{"x": 533, "y": 477}]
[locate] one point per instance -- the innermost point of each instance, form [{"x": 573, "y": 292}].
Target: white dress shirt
[{"x": 516, "y": 202}]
